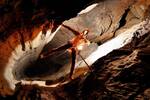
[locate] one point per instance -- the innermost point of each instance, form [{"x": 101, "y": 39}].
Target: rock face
[
  {"x": 121, "y": 74},
  {"x": 20, "y": 23}
]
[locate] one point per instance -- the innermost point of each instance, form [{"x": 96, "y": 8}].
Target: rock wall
[{"x": 123, "y": 73}]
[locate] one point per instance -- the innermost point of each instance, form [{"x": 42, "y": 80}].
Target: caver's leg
[
  {"x": 72, "y": 30},
  {"x": 52, "y": 51},
  {"x": 73, "y": 54}
]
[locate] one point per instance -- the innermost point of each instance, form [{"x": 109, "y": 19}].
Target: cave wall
[{"x": 24, "y": 19}]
